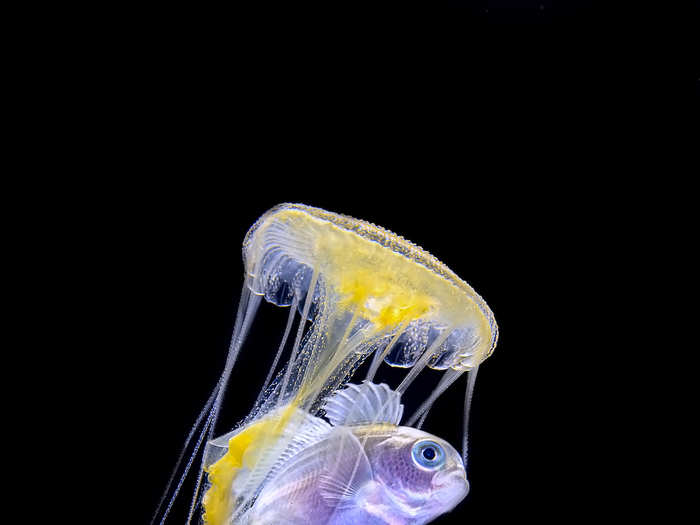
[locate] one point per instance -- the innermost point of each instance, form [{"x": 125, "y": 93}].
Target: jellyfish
[{"x": 356, "y": 293}]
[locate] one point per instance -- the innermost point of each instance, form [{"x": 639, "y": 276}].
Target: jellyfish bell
[
  {"x": 370, "y": 283},
  {"x": 356, "y": 291}
]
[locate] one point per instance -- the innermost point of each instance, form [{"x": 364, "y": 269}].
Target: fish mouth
[{"x": 450, "y": 487}]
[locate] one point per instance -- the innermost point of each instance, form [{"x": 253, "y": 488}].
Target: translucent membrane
[
  {"x": 365, "y": 267},
  {"x": 360, "y": 290}
]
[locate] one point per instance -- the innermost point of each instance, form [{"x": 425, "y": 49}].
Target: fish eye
[{"x": 427, "y": 454}]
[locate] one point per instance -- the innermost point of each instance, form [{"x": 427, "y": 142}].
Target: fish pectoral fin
[
  {"x": 285, "y": 433},
  {"x": 346, "y": 471}
]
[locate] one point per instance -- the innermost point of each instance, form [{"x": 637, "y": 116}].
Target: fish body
[
  {"x": 388, "y": 486},
  {"x": 361, "y": 468}
]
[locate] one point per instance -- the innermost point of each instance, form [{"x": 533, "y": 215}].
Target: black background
[{"x": 502, "y": 139}]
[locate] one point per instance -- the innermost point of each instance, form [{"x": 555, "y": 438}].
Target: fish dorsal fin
[
  {"x": 346, "y": 471},
  {"x": 364, "y": 404}
]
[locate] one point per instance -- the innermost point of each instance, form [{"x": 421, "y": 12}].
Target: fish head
[{"x": 422, "y": 475}]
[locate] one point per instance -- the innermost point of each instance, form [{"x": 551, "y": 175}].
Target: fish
[{"x": 360, "y": 466}]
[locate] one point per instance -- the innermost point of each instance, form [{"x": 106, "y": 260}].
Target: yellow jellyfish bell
[{"x": 361, "y": 292}]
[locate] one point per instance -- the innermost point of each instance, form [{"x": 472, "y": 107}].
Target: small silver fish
[{"x": 362, "y": 469}]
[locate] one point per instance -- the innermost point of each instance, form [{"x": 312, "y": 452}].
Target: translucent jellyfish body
[
  {"x": 367, "y": 290},
  {"x": 360, "y": 292}
]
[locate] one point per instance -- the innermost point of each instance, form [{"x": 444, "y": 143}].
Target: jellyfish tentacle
[
  {"x": 195, "y": 497},
  {"x": 198, "y": 422},
  {"x": 247, "y": 307},
  {"x": 422, "y": 418},
  {"x": 287, "y": 330},
  {"x": 471, "y": 380},
  {"x": 190, "y": 461},
  {"x": 420, "y": 364},
  {"x": 300, "y": 331},
  {"x": 439, "y": 389},
  {"x": 447, "y": 379}
]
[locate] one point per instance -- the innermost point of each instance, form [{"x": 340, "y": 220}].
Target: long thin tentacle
[
  {"x": 379, "y": 357},
  {"x": 300, "y": 331},
  {"x": 448, "y": 378},
  {"x": 420, "y": 364},
  {"x": 200, "y": 439},
  {"x": 198, "y": 422},
  {"x": 287, "y": 329},
  {"x": 471, "y": 380},
  {"x": 249, "y": 305}
]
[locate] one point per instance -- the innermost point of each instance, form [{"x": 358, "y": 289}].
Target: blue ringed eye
[{"x": 427, "y": 454}]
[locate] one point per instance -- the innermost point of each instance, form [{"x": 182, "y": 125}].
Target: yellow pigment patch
[
  {"x": 383, "y": 287},
  {"x": 378, "y": 298},
  {"x": 243, "y": 449}
]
